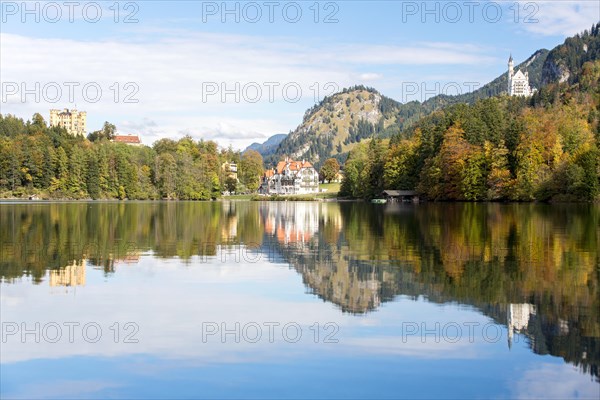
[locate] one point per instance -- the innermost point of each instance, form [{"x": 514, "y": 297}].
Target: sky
[{"x": 239, "y": 72}]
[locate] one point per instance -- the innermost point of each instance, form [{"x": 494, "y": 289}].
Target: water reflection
[
  {"x": 71, "y": 275},
  {"x": 532, "y": 268}
]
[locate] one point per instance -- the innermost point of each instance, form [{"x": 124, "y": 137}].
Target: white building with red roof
[{"x": 291, "y": 177}]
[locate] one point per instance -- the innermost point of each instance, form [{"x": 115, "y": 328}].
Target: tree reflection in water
[{"x": 534, "y": 268}]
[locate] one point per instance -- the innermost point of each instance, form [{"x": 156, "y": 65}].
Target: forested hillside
[
  {"x": 50, "y": 163},
  {"x": 565, "y": 62},
  {"x": 502, "y": 148}
]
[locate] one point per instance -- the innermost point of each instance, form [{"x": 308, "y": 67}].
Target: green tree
[
  {"x": 530, "y": 168},
  {"x": 375, "y": 168},
  {"x": 251, "y": 169},
  {"x": 77, "y": 175},
  {"x": 355, "y": 176},
  {"x": 499, "y": 181},
  {"x": 38, "y": 124},
  {"x": 401, "y": 169},
  {"x": 589, "y": 162},
  {"x": 230, "y": 184},
  {"x": 454, "y": 155},
  {"x": 103, "y": 170},
  {"x": 430, "y": 180},
  {"x": 93, "y": 177},
  {"x": 473, "y": 176},
  {"x": 62, "y": 170},
  {"x": 107, "y": 132},
  {"x": 166, "y": 173},
  {"x": 48, "y": 167}
]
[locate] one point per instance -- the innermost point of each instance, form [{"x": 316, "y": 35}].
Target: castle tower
[{"x": 511, "y": 73}]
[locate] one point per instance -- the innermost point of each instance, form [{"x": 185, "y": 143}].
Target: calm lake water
[{"x": 299, "y": 300}]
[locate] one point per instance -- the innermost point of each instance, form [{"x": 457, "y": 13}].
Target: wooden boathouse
[{"x": 396, "y": 196}]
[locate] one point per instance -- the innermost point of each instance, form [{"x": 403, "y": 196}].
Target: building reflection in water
[
  {"x": 518, "y": 316},
  {"x": 70, "y": 276},
  {"x": 291, "y": 223},
  {"x": 307, "y": 236}
]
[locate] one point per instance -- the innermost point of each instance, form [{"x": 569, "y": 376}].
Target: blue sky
[{"x": 239, "y": 72}]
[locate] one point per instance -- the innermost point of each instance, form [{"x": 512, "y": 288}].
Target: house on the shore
[
  {"x": 230, "y": 169},
  {"x": 290, "y": 177},
  {"x": 338, "y": 177}
]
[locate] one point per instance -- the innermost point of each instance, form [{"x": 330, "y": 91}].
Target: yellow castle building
[{"x": 72, "y": 120}]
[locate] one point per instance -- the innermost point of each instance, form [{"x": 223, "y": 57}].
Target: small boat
[{"x": 379, "y": 201}]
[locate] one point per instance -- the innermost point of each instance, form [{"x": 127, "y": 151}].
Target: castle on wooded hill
[
  {"x": 518, "y": 84},
  {"x": 72, "y": 120}
]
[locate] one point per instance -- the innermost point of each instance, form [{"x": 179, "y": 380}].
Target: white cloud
[
  {"x": 415, "y": 347},
  {"x": 424, "y": 54},
  {"x": 551, "y": 381},
  {"x": 233, "y": 88},
  {"x": 369, "y": 76},
  {"x": 53, "y": 389},
  {"x": 557, "y": 18}
]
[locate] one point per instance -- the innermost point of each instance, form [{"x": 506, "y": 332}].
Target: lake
[{"x": 299, "y": 300}]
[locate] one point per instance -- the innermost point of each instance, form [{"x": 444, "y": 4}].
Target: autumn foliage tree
[{"x": 329, "y": 170}]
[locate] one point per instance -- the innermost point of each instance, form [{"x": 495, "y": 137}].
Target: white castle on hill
[{"x": 518, "y": 84}]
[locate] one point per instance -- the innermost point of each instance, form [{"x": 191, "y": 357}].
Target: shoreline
[{"x": 292, "y": 198}]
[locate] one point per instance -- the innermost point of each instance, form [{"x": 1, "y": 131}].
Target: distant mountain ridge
[{"x": 269, "y": 146}]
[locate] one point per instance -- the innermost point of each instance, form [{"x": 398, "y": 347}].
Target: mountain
[
  {"x": 335, "y": 125},
  {"x": 564, "y": 63},
  {"x": 332, "y": 127},
  {"x": 269, "y": 146}
]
